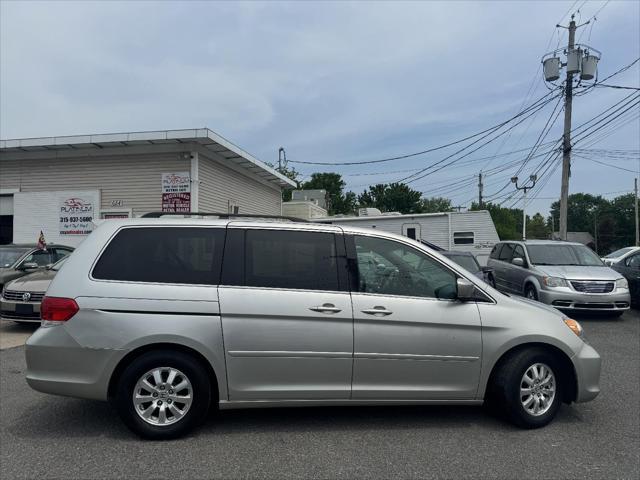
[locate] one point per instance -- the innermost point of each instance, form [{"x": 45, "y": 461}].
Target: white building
[{"x": 61, "y": 184}]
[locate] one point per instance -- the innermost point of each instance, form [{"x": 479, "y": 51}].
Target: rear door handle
[
  {"x": 379, "y": 311},
  {"x": 326, "y": 308}
]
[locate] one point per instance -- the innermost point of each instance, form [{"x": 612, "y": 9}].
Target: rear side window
[
  {"x": 291, "y": 260},
  {"x": 507, "y": 252},
  {"x": 495, "y": 252},
  {"x": 163, "y": 255}
]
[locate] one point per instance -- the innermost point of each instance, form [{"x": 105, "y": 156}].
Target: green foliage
[
  {"x": 508, "y": 221},
  {"x": 338, "y": 202},
  {"x": 537, "y": 227},
  {"x": 612, "y": 220},
  {"x": 394, "y": 197},
  {"x": 436, "y": 205},
  {"x": 289, "y": 172}
]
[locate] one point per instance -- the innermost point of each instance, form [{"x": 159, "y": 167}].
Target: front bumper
[
  {"x": 20, "y": 311},
  {"x": 587, "y": 364},
  {"x": 567, "y": 299},
  {"x": 59, "y": 365}
]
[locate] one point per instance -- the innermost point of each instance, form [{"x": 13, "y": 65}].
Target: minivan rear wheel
[
  {"x": 163, "y": 394},
  {"x": 527, "y": 388}
]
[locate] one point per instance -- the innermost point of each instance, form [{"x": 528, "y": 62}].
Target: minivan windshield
[
  {"x": 563, "y": 254},
  {"x": 10, "y": 255},
  {"x": 619, "y": 253}
]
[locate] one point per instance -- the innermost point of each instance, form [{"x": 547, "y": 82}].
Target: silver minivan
[
  {"x": 566, "y": 275},
  {"x": 166, "y": 317}
]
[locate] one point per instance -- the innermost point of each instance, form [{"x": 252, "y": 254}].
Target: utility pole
[
  {"x": 524, "y": 188},
  {"x": 566, "y": 139},
  {"x": 637, "y": 224},
  {"x": 582, "y": 60},
  {"x": 480, "y": 190},
  {"x": 595, "y": 228}
]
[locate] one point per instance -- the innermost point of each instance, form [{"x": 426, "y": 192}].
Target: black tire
[
  {"x": 200, "y": 385},
  {"x": 504, "y": 392},
  {"x": 492, "y": 281},
  {"x": 530, "y": 292}
]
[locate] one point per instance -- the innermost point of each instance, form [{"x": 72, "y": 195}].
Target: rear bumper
[
  {"x": 570, "y": 300},
  {"x": 587, "y": 364},
  {"x": 59, "y": 365}
]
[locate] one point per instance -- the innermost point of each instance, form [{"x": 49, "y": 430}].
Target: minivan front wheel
[
  {"x": 528, "y": 389},
  {"x": 531, "y": 293},
  {"x": 163, "y": 394}
]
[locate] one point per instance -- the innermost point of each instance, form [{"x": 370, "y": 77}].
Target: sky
[{"x": 329, "y": 81}]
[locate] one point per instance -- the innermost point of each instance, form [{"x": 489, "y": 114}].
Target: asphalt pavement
[{"x": 44, "y": 436}]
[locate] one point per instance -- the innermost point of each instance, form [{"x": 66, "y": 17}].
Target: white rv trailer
[{"x": 472, "y": 231}]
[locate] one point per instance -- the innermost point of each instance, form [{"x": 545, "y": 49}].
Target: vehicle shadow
[{"x": 50, "y": 418}]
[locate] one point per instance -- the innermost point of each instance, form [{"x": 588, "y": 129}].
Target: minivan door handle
[
  {"x": 326, "y": 308},
  {"x": 378, "y": 310}
]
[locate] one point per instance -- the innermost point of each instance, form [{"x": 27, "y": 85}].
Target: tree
[
  {"x": 394, "y": 197},
  {"x": 291, "y": 173},
  {"x": 508, "y": 221},
  {"x": 611, "y": 221},
  {"x": 435, "y": 205},
  {"x": 338, "y": 202},
  {"x": 537, "y": 227}
]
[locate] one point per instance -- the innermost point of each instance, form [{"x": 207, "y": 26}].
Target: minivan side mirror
[
  {"x": 466, "y": 290},
  {"x": 28, "y": 266},
  {"x": 518, "y": 262}
]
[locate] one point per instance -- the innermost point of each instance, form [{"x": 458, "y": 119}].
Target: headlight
[
  {"x": 554, "y": 282},
  {"x": 622, "y": 283},
  {"x": 574, "y": 326}
]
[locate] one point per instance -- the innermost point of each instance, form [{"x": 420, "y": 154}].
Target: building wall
[
  {"x": 221, "y": 186},
  {"x": 133, "y": 180}
]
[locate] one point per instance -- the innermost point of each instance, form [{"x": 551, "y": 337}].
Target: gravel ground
[{"x": 52, "y": 437}]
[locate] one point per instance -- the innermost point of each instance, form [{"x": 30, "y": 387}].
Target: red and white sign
[{"x": 176, "y": 192}]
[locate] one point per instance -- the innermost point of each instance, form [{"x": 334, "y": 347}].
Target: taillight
[{"x": 56, "y": 309}]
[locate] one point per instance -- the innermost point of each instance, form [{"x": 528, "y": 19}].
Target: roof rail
[{"x": 222, "y": 215}]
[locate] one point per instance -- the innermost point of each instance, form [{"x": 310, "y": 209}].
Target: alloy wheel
[
  {"x": 537, "y": 389},
  {"x": 162, "y": 396}
]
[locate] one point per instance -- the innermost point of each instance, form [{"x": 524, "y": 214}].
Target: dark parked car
[
  {"x": 468, "y": 261},
  {"x": 630, "y": 269},
  {"x": 17, "y": 260},
  {"x": 21, "y": 298}
]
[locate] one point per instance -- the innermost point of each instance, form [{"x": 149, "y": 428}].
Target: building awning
[{"x": 202, "y": 136}]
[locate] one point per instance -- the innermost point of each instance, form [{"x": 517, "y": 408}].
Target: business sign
[
  {"x": 76, "y": 215},
  {"x": 176, "y": 192}
]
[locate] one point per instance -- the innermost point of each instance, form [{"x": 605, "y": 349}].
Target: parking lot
[{"x": 53, "y": 437}]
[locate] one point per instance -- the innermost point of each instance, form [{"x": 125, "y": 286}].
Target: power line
[{"x": 542, "y": 100}]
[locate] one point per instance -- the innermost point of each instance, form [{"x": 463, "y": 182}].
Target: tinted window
[
  {"x": 290, "y": 259},
  {"x": 41, "y": 257},
  {"x": 465, "y": 261},
  {"x": 163, "y": 255},
  {"x": 506, "y": 252},
  {"x": 61, "y": 253},
  {"x": 519, "y": 253},
  {"x": 463, "y": 238},
  {"x": 634, "y": 262},
  {"x": 495, "y": 252},
  {"x": 10, "y": 255},
  {"x": 391, "y": 268}
]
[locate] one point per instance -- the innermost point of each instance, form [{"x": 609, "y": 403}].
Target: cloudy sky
[{"x": 329, "y": 81}]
